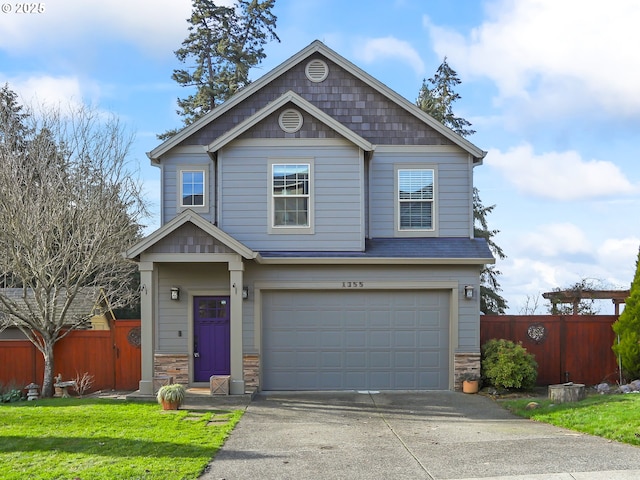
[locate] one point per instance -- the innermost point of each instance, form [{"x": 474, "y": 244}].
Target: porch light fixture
[
  {"x": 468, "y": 291},
  {"x": 245, "y": 293},
  {"x": 175, "y": 293}
]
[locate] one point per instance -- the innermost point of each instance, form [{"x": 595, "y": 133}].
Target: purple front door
[{"x": 211, "y": 337}]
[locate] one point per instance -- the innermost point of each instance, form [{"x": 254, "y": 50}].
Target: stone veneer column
[
  {"x": 465, "y": 363},
  {"x": 252, "y": 372}
]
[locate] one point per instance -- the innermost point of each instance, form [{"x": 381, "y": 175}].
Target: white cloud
[
  {"x": 157, "y": 26},
  {"x": 553, "y": 55},
  {"x": 376, "y": 49},
  {"x": 559, "y": 175},
  {"x": 555, "y": 240},
  {"x": 529, "y": 274},
  {"x": 54, "y": 90}
]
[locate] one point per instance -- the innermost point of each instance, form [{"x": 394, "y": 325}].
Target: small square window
[{"x": 192, "y": 184}]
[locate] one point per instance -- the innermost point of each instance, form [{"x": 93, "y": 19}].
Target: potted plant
[
  {"x": 470, "y": 382},
  {"x": 171, "y": 396}
]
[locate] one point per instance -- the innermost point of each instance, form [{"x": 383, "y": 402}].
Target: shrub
[
  {"x": 627, "y": 328},
  {"x": 506, "y": 364}
]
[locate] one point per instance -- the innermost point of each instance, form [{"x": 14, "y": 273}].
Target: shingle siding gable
[{"x": 343, "y": 96}]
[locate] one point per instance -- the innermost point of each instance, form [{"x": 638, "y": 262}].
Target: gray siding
[
  {"x": 338, "y": 197},
  {"x": 172, "y": 322},
  {"x": 170, "y": 189},
  {"x": 453, "y": 192},
  {"x": 468, "y": 320}
]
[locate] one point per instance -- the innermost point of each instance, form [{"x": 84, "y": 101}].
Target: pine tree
[
  {"x": 436, "y": 98},
  {"x": 223, "y": 44},
  {"x": 627, "y": 327}
]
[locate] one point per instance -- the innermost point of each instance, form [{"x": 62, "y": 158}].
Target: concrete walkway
[{"x": 395, "y": 436}]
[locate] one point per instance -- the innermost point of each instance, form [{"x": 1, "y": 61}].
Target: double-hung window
[
  {"x": 416, "y": 199},
  {"x": 291, "y": 195},
  {"x": 192, "y": 188}
]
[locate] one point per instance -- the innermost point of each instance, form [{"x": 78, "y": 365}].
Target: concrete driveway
[{"x": 428, "y": 435}]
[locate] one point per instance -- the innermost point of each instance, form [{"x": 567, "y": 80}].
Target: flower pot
[
  {"x": 170, "y": 405},
  {"x": 470, "y": 386}
]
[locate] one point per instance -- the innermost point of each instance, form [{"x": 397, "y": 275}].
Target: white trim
[
  {"x": 432, "y": 232},
  {"x": 294, "y": 229},
  {"x": 204, "y": 169}
]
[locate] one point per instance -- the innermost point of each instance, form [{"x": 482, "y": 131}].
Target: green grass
[
  {"x": 610, "y": 416},
  {"x": 107, "y": 439}
]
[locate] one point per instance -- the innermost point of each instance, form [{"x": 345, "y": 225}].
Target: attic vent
[
  {"x": 290, "y": 120},
  {"x": 316, "y": 70}
]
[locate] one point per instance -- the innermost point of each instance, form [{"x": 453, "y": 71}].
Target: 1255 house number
[{"x": 352, "y": 284}]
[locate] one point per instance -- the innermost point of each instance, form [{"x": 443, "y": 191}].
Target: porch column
[
  {"x": 146, "y": 327},
  {"x": 236, "y": 271}
]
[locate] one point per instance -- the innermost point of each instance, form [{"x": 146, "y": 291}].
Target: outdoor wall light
[
  {"x": 468, "y": 291},
  {"x": 175, "y": 293},
  {"x": 245, "y": 293}
]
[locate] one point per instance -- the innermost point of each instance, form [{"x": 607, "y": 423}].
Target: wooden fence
[
  {"x": 111, "y": 356},
  {"x": 567, "y": 348}
]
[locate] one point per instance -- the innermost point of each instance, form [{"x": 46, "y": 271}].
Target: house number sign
[{"x": 352, "y": 284}]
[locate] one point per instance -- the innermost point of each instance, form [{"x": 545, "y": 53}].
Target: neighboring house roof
[
  {"x": 88, "y": 301},
  {"x": 315, "y": 47}
]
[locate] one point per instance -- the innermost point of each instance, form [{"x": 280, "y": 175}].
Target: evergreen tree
[
  {"x": 223, "y": 44},
  {"x": 627, "y": 327},
  {"x": 436, "y": 98}
]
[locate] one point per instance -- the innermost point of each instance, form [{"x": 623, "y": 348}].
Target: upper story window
[
  {"x": 416, "y": 199},
  {"x": 192, "y": 188},
  {"x": 291, "y": 195}
]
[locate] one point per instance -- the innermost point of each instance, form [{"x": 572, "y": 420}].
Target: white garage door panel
[{"x": 336, "y": 340}]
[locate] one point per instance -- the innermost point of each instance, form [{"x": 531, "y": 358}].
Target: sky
[{"x": 551, "y": 88}]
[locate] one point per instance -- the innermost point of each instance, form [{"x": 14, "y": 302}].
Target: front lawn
[
  {"x": 107, "y": 439},
  {"x": 615, "y": 417}
]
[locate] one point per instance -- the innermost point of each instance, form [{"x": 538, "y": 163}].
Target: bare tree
[{"x": 69, "y": 207}]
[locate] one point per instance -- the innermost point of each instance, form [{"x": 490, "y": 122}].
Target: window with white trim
[
  {"x": 291, "y": 199},
  {"x": 192, "y": 188},
  {"x": 416, "y": 199}
]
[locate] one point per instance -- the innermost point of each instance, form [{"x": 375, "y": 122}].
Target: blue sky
[{"x": 551, "y": 87}]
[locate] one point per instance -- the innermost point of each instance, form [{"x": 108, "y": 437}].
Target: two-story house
[{"x": 316, "y": 234}]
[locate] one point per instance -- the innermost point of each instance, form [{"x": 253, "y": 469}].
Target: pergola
[{"x": 574, "y": 297}]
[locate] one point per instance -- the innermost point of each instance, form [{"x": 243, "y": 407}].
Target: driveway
[{"x": 393, "y": 436}]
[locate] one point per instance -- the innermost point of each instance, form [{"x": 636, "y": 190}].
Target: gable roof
[
  {"x": 184, "y": 217},
  {"x": 315, "y": 47},
  {"x": 289, "y": 97}
]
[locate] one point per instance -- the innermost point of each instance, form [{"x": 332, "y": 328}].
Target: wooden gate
[
  {"x": 573, "y": 348},
  {"x": 127, "y": 355}
]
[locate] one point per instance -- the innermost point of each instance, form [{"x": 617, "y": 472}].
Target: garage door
[{"x": 365, "y": 340}]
